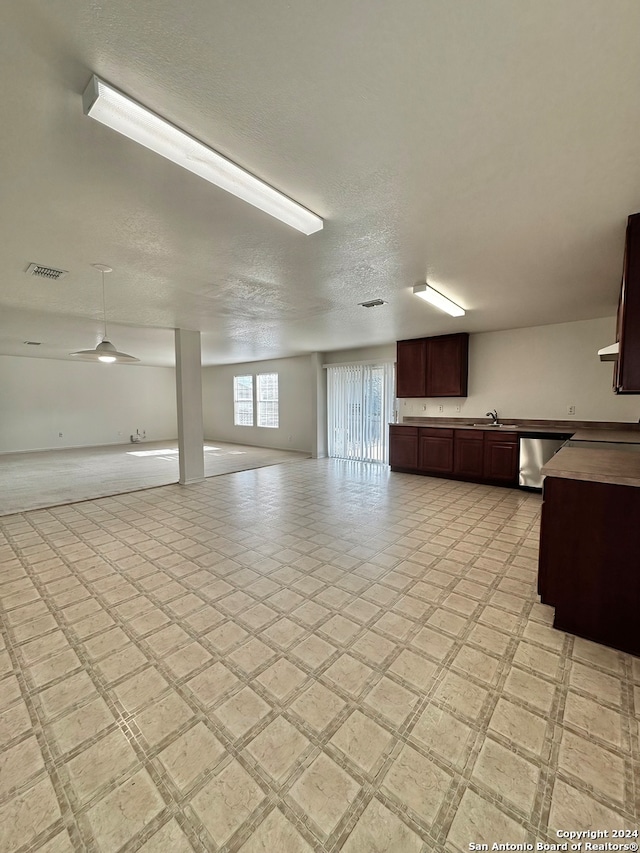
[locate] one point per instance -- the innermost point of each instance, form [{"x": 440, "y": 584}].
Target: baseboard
[
  {"x": 89, "y": 446},
  {"x": 251, "y": 444}
]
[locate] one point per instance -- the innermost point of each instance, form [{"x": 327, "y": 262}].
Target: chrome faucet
[{"x": 493, "y": 415}]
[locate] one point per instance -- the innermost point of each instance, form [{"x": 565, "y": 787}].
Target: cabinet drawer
[
  {"x": 436, "y": 432},
  {"x": 398, "y": 430},
  {"x": 469, "y": 435},
  {"x": 503, "y": 437}
]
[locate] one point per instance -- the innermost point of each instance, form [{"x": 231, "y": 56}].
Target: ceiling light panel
[
  {"x": 110, "y": 107},
  {"x": 433, "y": 297}
]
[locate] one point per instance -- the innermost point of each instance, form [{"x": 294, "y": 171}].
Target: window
[
  {"x": 259, "y": 407},
  {"x": 267, "y": 399},
  {"x": 243, "y": 400}
]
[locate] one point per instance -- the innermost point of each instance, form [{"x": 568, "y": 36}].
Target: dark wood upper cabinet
[
  {"x": 411, "y": 368},
  {"x": 433, "y": 367},
  {"x": 627, "y": 372},
  {"x": 447, "y": 365}
]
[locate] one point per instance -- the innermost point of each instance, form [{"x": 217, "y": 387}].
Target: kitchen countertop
[
  {"x": 618, "y": 432},
  {"x": 608, "y": 435},
  {"x": 507, "y": 428},
  {"x": 620, "y": 467},
  {"x": 611, "y": 462}
]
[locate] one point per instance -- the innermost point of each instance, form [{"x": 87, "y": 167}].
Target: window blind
[{"x": 360, "y": 399}]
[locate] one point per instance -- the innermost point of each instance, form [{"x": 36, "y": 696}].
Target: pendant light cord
[{"x": 104, "y": 309}]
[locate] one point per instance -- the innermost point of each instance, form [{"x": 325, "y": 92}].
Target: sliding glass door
[{"x": 360, "y": 400}]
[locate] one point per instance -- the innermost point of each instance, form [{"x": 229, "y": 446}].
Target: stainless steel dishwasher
[{"x": 536, "y": 449}]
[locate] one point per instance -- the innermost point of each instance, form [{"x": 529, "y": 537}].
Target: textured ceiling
[{"x": 492, "y": 146}]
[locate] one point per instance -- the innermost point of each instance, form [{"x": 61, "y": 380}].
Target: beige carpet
[{"x": 53, "y": 477}]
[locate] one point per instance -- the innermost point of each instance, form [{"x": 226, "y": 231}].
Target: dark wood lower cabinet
[
  {"x": 403, "y": 447},
  {"x": 501, "y": 457},
  {"x": 475, "y": 455},
  {"x": 588, "y": 565},
  {"x": 435, "y": 450},
  {"x": 468, "y": 454}
]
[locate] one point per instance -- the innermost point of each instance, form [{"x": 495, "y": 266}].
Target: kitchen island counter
[
  {"x": 618, "y": 467},
  {"x": 590, "y": 539},
  {"x": 619, "y": 436}
]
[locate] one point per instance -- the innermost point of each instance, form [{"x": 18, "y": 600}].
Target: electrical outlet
[
  {"x": 441, "y": 409},
  {"x": 571, "y": 410}
]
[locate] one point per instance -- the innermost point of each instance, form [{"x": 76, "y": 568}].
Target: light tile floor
[{"x": 316, "y": 656}]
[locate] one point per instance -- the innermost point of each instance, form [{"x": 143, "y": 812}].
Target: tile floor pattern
[{"x": 317, "y": 656}]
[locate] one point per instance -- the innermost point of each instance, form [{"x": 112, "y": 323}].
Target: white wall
[
  {"x": 350, "y": 356},
  {"x": 296, "y": 387},
  {"x": 537, "y": 373},
  {"x": 90, "y": 404}
]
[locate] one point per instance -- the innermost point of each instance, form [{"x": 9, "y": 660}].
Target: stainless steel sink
[{"x": 504, "y": 426}]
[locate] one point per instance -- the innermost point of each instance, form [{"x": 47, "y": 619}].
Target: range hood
[{"x": 609, "y": 353}]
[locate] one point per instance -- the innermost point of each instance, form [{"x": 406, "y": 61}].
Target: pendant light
[{"x": 105, "y": 352}]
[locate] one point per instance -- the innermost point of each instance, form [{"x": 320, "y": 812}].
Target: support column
[
  {"x": 318, "y": 406},
  {"x": 189, "y": 399}
]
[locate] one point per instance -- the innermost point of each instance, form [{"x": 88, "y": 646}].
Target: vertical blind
[{"x": 360, "y": 400}]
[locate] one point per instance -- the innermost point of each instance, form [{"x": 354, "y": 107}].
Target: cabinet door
[
  {"x": 411, "y": 368},
  {"x": 501, "y": 458},
  {"x": 447, "y": 365},
  {"x": 435, "y": 452},
  {"x": 589, "y": 542},
  {"x": 627, "y": 372},
  {"x": 403, "y": 447},
  {"x": 468, "y": 453}
]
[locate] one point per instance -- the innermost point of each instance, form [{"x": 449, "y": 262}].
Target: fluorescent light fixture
[
  {"x": 109, "y": 106},
  {"x": 426, "y": 292}
]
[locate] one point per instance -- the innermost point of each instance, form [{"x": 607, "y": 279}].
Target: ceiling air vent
[
  {"x": 40, "y": 271},
  {"x": 372, "y": 303}
]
